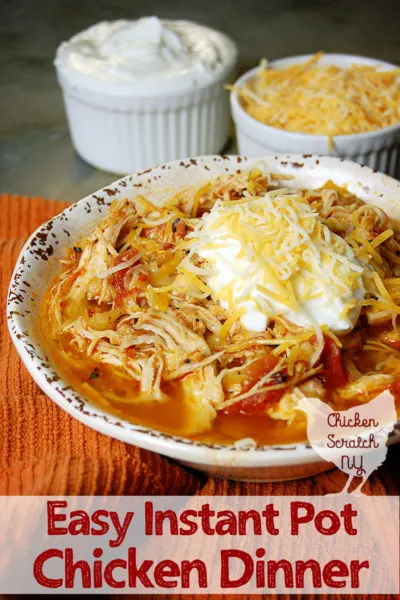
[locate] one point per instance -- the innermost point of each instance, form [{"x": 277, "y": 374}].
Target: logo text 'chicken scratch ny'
[{"x": 354, "y": 439}]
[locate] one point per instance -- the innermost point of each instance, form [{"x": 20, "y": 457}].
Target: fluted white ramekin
[
  {"x": 376, "y": 149},
  {"x": 126, "y": 133}
]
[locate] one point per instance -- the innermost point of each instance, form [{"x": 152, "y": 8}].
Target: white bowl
[
  {"x": 376, "y": 149},
  {"x": 39, "y": 261},
  {"x": 123, "y": 131}
]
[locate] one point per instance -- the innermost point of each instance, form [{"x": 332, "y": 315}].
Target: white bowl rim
[
  {"x": 299, "y": 136},
  {"x": 174, "y": 446}
]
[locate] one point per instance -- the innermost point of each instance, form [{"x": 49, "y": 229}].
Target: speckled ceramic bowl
[
  {"x": 38, "y": 262},
  {"x": 377, "y": 149}
]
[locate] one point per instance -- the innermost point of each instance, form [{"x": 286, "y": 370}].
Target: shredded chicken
[{"x": 121, "y": 301}]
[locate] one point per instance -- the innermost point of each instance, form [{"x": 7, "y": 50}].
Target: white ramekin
[
  {"x": 124, "y": 134},
  {"x": 376, "y": 149}
]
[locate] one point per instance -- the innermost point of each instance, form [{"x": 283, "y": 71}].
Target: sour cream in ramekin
[
  {"x": 142, "y": 92},
  {"x": 147, "y": 56}
]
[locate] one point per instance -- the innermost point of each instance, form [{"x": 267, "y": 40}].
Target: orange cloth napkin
[{"x": 45, "y": 451}]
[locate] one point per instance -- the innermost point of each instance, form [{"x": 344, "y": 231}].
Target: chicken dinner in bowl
[{"x": 209, "y": 315}]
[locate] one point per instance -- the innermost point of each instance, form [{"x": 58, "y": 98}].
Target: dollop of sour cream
[
  {"x": 149, "y": 54},
  {"x": 273, "y": 256}
]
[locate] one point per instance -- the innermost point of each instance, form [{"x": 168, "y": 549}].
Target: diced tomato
[
  {"x": 258, "y": 369},
  {"x": 255, "y": 405},
  {"x": 394, "y": 345},
  {"x": 118, "y": 279},
  {"x": 125, "y": 256},
  {"x": 236, "y": 362},
  {"x": 181, "y": 229},
  {"x": 120, "y": 297},
  {"x": 119, "y": 276},
  {"x": 235, "y": 194},
  {"x": 331, "y": 358},
  {"x": 395, "y": 388},
  {"x": 154, "y": 233},
  {"x": 143, "y": 277}
]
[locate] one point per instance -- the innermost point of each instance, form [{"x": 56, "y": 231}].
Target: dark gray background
[{"x": 36, "y": 156}]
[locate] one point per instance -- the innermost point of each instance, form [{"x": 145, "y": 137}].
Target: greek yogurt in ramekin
[{"x": 139, "y": 93}]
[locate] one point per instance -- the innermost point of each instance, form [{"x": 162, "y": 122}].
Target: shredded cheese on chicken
[{"x": 280, "y": 255}]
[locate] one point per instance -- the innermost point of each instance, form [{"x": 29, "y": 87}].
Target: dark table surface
[{"x": 36, "y": 156}]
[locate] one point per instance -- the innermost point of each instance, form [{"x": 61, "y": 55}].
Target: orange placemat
[{"x": 45, "y": 451}]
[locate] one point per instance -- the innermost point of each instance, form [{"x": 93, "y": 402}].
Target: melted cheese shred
[
  {"x": 324, "y": 99},
  {"x": 272, "y": 255}
]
